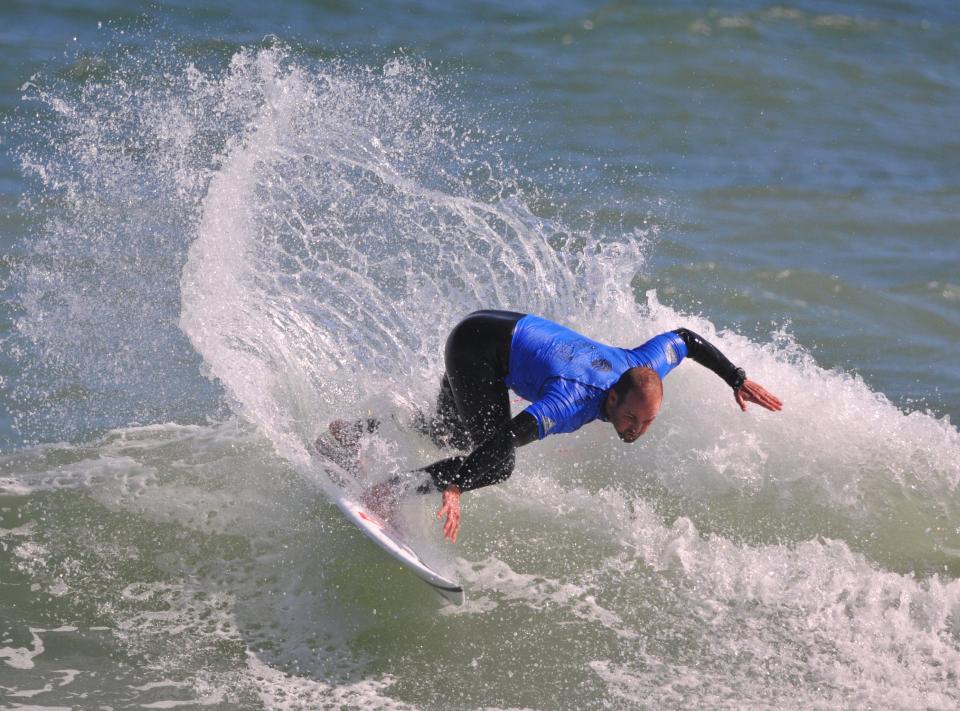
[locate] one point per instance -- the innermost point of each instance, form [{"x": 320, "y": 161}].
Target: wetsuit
[{"x": 565, "y": 376}]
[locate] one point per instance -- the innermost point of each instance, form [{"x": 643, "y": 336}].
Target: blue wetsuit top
[{"x": 566, "y": 376}]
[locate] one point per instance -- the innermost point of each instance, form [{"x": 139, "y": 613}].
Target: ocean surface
[{"x": 225, "y": 224}]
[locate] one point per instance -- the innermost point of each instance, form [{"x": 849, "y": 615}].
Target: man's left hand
[{"x": 756, "y": 393}]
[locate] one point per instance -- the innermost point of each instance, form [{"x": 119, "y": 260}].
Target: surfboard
[
  {"x": 391, "y": 541},
  {"x": 340, "y": 467}
]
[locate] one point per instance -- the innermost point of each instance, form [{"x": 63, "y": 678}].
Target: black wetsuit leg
[
  {"x": 446, "y": 429},
  {"x": 474, "y": 405},
  {"x": 473, "y": 397}
]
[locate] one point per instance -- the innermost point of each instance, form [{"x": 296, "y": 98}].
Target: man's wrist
[{"x": 738, "y": 378}]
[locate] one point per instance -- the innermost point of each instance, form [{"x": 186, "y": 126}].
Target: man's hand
[
  {"x": 451, "y": 507},
  {"x": 754, "y": 392}
]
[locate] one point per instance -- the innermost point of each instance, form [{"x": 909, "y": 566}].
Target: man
[{"x": 569, "y": 379}]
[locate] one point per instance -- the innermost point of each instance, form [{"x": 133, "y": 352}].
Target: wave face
[{"x": 258, "y": 250}]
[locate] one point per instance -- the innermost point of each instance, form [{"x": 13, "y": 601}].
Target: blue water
[{"x": 223, "y": 225}]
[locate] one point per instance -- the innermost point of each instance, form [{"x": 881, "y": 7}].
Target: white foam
[
  {"x": 852, "y": 628},
  {"x": 813, "y": 610},
  {"x": 537, "y": 592},
  {"x": 22, "y": 657},
  {"x": 277, "y": 690}
]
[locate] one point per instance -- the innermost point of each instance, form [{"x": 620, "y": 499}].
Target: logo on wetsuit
[{"x": 671, "y": 353}]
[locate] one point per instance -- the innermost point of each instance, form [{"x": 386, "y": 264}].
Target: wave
[{"x": 332, "y": 222}]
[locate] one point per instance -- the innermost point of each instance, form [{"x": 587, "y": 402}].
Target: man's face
[{"x": 632, "y": 414}]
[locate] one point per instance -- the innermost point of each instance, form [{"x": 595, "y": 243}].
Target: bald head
[
  {"x": 644, "y": 381},
  {"x": 634, "y": 402}
]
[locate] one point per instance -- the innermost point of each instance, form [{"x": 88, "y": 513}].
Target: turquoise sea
[{"x": 223, "y": 225}]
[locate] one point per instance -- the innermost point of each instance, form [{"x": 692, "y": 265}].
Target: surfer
[{"x": 569, "y": 379}]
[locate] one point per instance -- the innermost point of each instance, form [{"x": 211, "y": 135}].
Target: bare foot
[
  {"x": 349, "y": 432},
  {"x": 342, "y": 445},
  {"x": 382, "y": 500}
]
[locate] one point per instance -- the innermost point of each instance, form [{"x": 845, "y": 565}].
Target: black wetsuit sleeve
[
  {"x": 523, "y": 429},
  {"x": 707, "y": 355},
  {"x": 491, "y": 462}
]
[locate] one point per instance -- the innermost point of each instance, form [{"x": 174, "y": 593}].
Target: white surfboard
[
  {"x": 376, "y": 529},
  {"x": 390, "y": 540}
]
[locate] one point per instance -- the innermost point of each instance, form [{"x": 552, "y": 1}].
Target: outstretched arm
[
  {"x": 490, "y": 463},
  {"x": 744, "y": 391}
]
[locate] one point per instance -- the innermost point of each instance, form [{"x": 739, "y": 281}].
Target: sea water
[{"x": 226, "y": 224}]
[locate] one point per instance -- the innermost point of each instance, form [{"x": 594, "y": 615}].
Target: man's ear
[{"x": 612, "y": 398}]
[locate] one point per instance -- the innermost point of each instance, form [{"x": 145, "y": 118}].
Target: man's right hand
[
  {"x": 450, "y": 507},
  {"x": 756, "y": 393}
]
